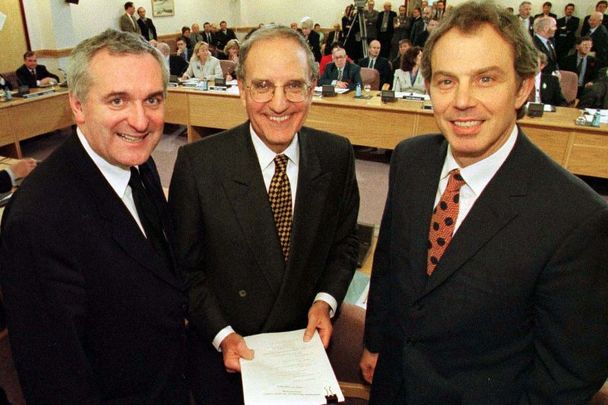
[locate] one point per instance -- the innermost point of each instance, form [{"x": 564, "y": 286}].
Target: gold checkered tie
[{"x": 279, "y": 195}]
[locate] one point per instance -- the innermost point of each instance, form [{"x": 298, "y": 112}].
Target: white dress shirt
[
  {"x": 477, "y": 176},
  {"x": 266, "y": 160}
]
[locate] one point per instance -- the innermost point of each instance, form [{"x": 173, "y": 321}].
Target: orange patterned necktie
[
  {"x": 443, "y": 220},
  {"x": 279, "y": 194}
]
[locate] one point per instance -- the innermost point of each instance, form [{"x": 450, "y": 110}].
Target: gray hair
[
  {"x": 541, "y": 24},
  {"x": 117, "y": 43},
  {"x": 274, "y": 32}
]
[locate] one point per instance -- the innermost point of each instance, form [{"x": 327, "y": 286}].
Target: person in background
[
  {"x": 333, "y": 37},
  {"x": 525, "y": 8},
  {"x": 182, "y": 50},
  {"x": 232, "y": 50},
  {"x": 599, "y": 36},
  {"x": 544, "y": 31},
  {"x": 34, "y": 75},
  {"x": 385, "y": 27},
  {"x": 311, "y": 37},
  {"x": 583, "y": 64},
  {"x": 185, "y": 36},
  {"x": 317, "y": 29},
  {"x": 403, "y": 26},
  {"x": 146, "y": 26},
  {"x": 208, "y": 35},
  {"x": 196, "y": 35},
  {"x": 341, "y": 73},
  {"x": 404, "y": 45},
  {"x": 565, "y": 37},
  {"x": 371, "y": 17},
  {"x": 547, "y": 89},
  {"x": 375, "y": 61},
  {"x": 409, "y": 77},
  {"x": 175, "y": 64},
  {"x": 276, "y": 248},
  {"x": 489, "y": 283},
  {"x": 600, "y": 7},
  {"x": 596, "y": 96},
  {"x": 223, "y": 35},
  {"x": 203, "y": 65},
  {"x": 547, "y": 5},
  {"x": 127, "y": 21}
]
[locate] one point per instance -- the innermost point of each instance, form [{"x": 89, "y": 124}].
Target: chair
[
  {"x": 371, "y": 77},
  {"x": 172, "y": 42},
  {"x": 227, "y": 66},
  {"x": 11, "y": 77},
  {"x": 569, "y": 84},
  {"x": 344, "y": 353}
]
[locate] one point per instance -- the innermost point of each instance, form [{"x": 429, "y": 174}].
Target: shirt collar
[
  {"x": 267, "y": 155},
  {"x": 115, "y": 175},
  {"x": 478, "y": 175}
]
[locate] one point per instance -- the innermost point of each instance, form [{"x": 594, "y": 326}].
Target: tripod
[{"x": 359, "y": 19}]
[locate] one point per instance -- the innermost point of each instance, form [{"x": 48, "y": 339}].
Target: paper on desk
[
  {"x": 413, "y": 94},
  {"x": 319, "y": 89},
  {"x": 287, "y": 370},
  {"x": 603, "y": 115}
]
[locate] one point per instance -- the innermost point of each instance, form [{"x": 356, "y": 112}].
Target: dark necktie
[
  {"x": 552, "y": 50},
  {"x": 150, "y": 216},
  {"x": 33, "y": 72},
  {"x": 340, "y": 74},
  {"x": 443, "y": 220},
  {"x": 279, "y": 194}
]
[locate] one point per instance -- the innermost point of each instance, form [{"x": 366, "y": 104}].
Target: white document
[
  {"x": 319, "y": 89},
  {"x": 287, "y": 370},
  {"x": 590, "y": 112}
]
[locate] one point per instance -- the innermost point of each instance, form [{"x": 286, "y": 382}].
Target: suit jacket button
[{"x": 242, "y": 293}]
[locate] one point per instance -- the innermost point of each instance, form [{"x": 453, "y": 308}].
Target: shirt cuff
[
  {"x": 221, "y": 335},
  {"x": 331, "y": 301},
  {"x": 11, "y": 175}
]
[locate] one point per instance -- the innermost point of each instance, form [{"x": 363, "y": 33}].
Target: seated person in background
[
  {"x": 195, "y": 33},
  {"x": 328, "y": 57},
  {"x": 34, "y": 75},
  {"x": 409, "y": 77},
  {"x": 223, "y": 35},
  {"x": 550, "y": 89},
  {"x": 186, "y": 33},
  {"x": 176, "y": 64},
  {"x": 5, "y": 84},
  {"x": 375, "y": 61},
  {"x": 333, "y": 37},
  {"x": 404, "y": 45},
  {"x": 182, "y": 50},
  {"x": 17, "y": 171},
  {"x": 202, "y": 64},
  {"x": 231, "y": 51},
  {"x": 583, "y": 64},
  {"x": 597, "y": 95},
  {"x": 341, "y": 73}
]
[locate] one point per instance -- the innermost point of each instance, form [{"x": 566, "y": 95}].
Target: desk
[
  {"x": 26, "y": 118},
  {"x": 582, "y": 150}
]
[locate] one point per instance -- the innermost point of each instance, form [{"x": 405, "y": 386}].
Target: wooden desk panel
[{"x": 176, "y": 108}]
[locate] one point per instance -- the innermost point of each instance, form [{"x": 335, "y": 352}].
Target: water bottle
[
  {"x": 596, "y": 119},
  {"x": 7, "y": 94},
  {"x": 358, "y": 90}
]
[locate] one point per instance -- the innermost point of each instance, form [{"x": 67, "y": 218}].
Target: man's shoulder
[{"x": 217, "y": 145}]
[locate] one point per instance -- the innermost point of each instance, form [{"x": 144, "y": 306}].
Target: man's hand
[
  {"x": 233, "y": 348},
  {"x": 23, "y": 167},
  {"x": 318, "y": 318},
  {"x": 47, "y": 81},
  {"x": 368, "y": 365},
  {"x": 342, "y": 85}
]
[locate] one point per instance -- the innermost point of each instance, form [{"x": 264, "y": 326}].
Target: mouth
[
  {"x": 279, "y": 119},
  {"x": 132, "y": 138},
  {"x": 466, "y": 124}
]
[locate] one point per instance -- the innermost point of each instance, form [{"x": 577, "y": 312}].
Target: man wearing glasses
[{"x": 265, "y": 216}]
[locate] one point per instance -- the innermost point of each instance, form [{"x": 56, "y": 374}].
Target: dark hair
[
  {"x": 404, "y": 41},
  {"x": 128, "y": 4},
  {"x": 184, "y": 29},
  {"x": 408, "y": 61},
  {"x": 580, "y": 40},
  {"x": 604, "y": 2},
  {"x": 570, "y": 5},
  {"x": 29, "y": 54},
  {"x": 547, "y": 3},
  {"x": 223, "y": 22}
]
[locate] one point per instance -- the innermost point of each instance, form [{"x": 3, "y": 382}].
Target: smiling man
[
  {"x": 489, "y": 283},
  {"x": 265, "y": 216},
  {"x": 94, "y": 302}
]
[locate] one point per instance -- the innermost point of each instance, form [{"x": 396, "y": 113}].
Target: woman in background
[
  {"x": 202, "y": 64},
  {"x": 409, "y": 77}
]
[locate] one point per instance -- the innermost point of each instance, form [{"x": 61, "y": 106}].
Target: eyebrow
[
  {"x": 474, "y": 73},
  {"x": 126, "y": 94}
]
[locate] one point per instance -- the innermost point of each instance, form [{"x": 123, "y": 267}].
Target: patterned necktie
[
  {"x": 339, "y": 75},
  {"x": 443, "y": 220},
  {"x": 279, "y": 194}
]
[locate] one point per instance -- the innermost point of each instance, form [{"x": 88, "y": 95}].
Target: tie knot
[
  {"x": 280, "y": 163},
  {"x": 455, "y": 181},
  {"x": 135, "y": 178}
]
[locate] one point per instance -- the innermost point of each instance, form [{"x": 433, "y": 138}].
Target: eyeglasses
[{"x": 262, "y": 91}]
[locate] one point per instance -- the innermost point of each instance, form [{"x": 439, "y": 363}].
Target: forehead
[
  {"x": 122, "y": 73},
  {"x": 464, "y": 53},
  {"x": 276, "y": 59}
]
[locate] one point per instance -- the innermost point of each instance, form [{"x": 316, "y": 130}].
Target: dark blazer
[
  {"x": 351, "y": 74},
  {"x": 329, "y": 40},
  {"x": 417, "y": 29},
  {"x": 551, "y": 56},
  {"x": 148, "y": 30},
  {"x": 421, "y": 38},
  {"x": 565, "y": 36},
  {"x": 314, "y": 43},
  {"x": 177, "y": 65},
  {"x": 6, "y": 184},
  {"x": 7, "y": 83},
  {"x": 25, "y": 77},
  {"x": 94, "y": 315},
  {"x": 585, "y": 27},
  {"x": 516, "y": 310},
  {"x": 600, "y": 45},
  {"x": 569, "y": 63},
  {"x": 551, "y": 91},
  {"x": 382, "y": 66},
  {"x": 125, "y": 24},
  {"x": 385, "y": 37},
  {"x": 229, "y": 248},
  {"x": 542, "y": 15},
  {"x": 221, "y": 38},
  {"x": 597, "y": 95},
  {"x": 211, "y": 39}
]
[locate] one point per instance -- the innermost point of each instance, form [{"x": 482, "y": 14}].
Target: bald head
[
  {"x": 374, "y": 49},
  {"x": 595, "y": 19}
]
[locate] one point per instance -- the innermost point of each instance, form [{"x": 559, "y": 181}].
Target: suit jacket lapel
[
  {"x": 119, "y": 221},
  {"x": 493, "y": 210},
  {"x": 247, "y": 193}
]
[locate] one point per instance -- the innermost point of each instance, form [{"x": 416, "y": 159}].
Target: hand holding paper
[
  {"x": 318, "y": 319},
  {"x": 234, "y": 348}
]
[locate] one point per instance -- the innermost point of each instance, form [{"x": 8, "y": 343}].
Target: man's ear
[{"x": 77, "y": 108}]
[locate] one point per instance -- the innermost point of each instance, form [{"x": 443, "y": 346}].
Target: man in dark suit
[
  {"x": 333, "y": 37},
  {"x": 312, "y": 38},
  {"x": 489, "y": 283},
  {"x": 385, "y": 27},
  {"x": 94, "y": 302},
  {"x": 544, "y": 31},
  {"x": 176, "y": 64},
  {"x": 596, "y": 96},
  {"x": 34, "y": 75},
  {"x": 547, "y": 5},
  {"x": 599, "y": 35},
  {"x": 375, "y": 61},
  {"x": 421, "y": 38},
  {"x": 565, "y": 37},
  {"x": 524, "y": 17},
  {"x": 208, "y": 36},
  {"x": 583, "y": 64},
  {"x": 252, "y": 266},
  {"x": 549, "y": 88},
  {"x": 146, "y": 26},
  {"x": 223, "y": 35},
  {"x": 127, "y": 21},
  {"x": 341, "y": 73},
  {"x": 601, "y": 7}
]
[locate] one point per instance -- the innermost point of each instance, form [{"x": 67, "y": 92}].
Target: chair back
[
  {"x": 227, "y": 66},
  {"x": 371, "y": 77},
  {"x": 569, "y": 85}
]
